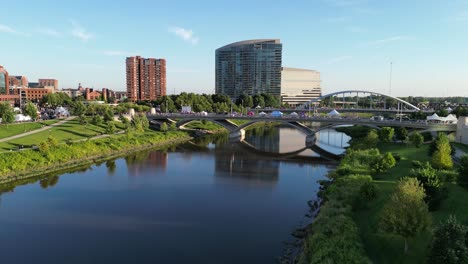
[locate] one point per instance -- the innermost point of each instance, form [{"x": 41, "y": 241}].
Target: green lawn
[
  {"x": 15, "y": 129},
  {"x": 207, "y": 125},
  {"x": 71, "y": 130},
  {"x": 383, "y": 248}
]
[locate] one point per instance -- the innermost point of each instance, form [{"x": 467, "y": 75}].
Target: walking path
[{"x": 37, "y": 130}]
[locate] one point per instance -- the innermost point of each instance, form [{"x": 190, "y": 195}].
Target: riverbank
[
  {"x": 17, "y": 165},
  {"x": 347, "y": 228}
]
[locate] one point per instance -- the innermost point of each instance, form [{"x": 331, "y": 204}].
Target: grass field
[
  {"x": 15, "y": 129},
  {"x": 207, "y": 125},
  {"x": 383, "y": 248},
  {"x": 71, "y": 130}
]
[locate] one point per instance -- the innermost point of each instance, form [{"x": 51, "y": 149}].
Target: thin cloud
[
  {"x": 384, "y": 41},
  {"x": 10, "y": 30},
  {"x": 460, "y": 17},
  {"x": 185, "y": 34},
  {"x": 79, "y": 32},
  {"x": 118, "y": 53},
  {"x": 48, "y": 32},
  {"x": 338, "y": 59}
]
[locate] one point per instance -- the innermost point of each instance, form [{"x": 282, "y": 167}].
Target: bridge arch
[
  {"x": 357, "y": 92},
  {"x": 292, "y": 123},
  {"x": 225, "y": 123}
]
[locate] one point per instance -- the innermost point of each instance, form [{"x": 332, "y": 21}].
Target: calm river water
[{"x": 209, "y": 201}]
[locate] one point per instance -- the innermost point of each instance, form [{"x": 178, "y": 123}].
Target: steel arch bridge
[{"x": 316, "y": 100}]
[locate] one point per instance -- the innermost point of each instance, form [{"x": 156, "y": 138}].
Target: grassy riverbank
[
  {"x": 347, "y": 227},
  {"x": 29, "y": 163},
  {"x": 15, "y": 129},
  {"x": 69, "y": 131}
]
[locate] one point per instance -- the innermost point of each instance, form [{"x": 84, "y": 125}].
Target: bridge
[{"x": 237, "y": 131}]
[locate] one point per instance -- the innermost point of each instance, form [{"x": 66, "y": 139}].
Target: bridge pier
[
  {"x": 310, "y": 140},
  {"x": 237, "y": 136}
]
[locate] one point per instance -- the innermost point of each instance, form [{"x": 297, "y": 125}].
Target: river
[{"x": 208, "y": 201}]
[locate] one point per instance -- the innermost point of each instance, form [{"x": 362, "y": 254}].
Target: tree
[
  {"x": 31, "y": 110},
  {"x": 110, "y": 129},
  {"x": 401, "y": 133},
  {"x": 97, "y": 120},
  {"x": 78, "y": 108},
  {"x": 43, "y": 147},
  {"x": 433, "y": 186},
  {"x": 449, "y": 243},
  {"x": 6, "y": 113},
  {"x": 441, "y": 158},
  {"x": 173, "y": 127},
  {"x": 386, "y": 134},
  {"x": 52, "y": 141},
  {"x": 463, "y": 173},
  {"x": 417, "y": 139},
  {"x": 164, "y": 127},
  {"x": 441, "y": 137},
  {"x": 124, "y": 121},
  {"x": 108, "y": 114},
  {"x": 406, "y": 214},
  {"x": 385, "y": 162}
]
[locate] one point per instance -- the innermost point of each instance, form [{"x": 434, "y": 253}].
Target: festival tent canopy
[{"x": 333, "y": 113}]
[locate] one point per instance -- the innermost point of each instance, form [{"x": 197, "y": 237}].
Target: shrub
[
  {"x": 449, "y": 244},
  {"x": 386, "y": 134},
  {"x": 433, "y": 186},
  {"x": 385, "y": 162},
  {"x": 417, "y": 139}
]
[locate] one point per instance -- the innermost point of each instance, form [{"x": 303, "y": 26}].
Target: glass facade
[
  {"x": 249, "y": 67},
  {"x": 4, "y": 86}
]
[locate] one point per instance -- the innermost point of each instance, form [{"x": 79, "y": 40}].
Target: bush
[
  {"x": 385, "y": 162},
  {"x": 386, "y": 134},
  {"x": 396, "y": 156},
  {"x": 367, "y": 193},
  {"x": 432, "y": 184},
  {"x": 417, "y": 139},
  {"x": 463, "y": 173},
  {"x": 449, "y": 244}
]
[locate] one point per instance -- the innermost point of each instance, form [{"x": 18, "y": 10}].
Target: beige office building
[{"x": 299, "y": 86}]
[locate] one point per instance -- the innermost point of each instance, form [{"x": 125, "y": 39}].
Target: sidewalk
[{"x": 37, "y": 130}]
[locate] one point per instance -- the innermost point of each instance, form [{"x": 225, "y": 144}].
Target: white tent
[
  {"x": 433, "y": 117},
  {"x": 294, "y": 114},
  {"x": 262, "y": 114},
  {"x": 449, "y": 109},
  {"x": 333, "y": 113},
  {"x": 62, "y": 111},
  {"x": 22, "y": 118},
  {"x": 203, "y": 113},
  {"x": 451, "y": 119}
]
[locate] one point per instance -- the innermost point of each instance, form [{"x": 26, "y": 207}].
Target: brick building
[
  {"x": 4, "y": 81},
  {"x": 146, "y": 78},
  {"x": 18, "y": 81},
  {"x": 49, "y": 82}
]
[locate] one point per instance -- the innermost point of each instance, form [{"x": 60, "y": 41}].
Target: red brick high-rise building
[
  {"x": 49, "y": 82},
  {"x": 146, "y": 78}
]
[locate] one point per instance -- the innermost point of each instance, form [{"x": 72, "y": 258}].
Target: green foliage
[
  {"x": 52, "y": 141},
  {"x": 401, "y": 133},
  {"x": 140, "y": 122},
  {"x": 173, "y": 127},
  {"x": 417, "y": 139},
  {"x": 369, "y": 141},
  {"x": 386, "y": 134},
  {"x": 6, "y": 113},
  {"x": 108, "y": 114},
  {"x": 449, "y": 245},
  {"x": 441, "y": 158},
  {"x": 31, "y": 110},
  {"x": 78, "y": 108},
  {"x": 97, "y": 120},
  {"x": 367, "y": 192},
  {"x": 110, "y": 129},
  {"x": 406, "y": 214},
  {"x": 441, "y": 138},
  {"x": 335, "y": 237},
  {"x": 13, "y": 163},
  {"x": 432, "y": 184},
  {"x": 385, "y": 162},
  {"x": 358, "y": 162},
  {"x": 164, "y": 127},
  {"x": 463, "y": 173},
  {"x": 56, "y": 99},
  {"x": 83, "y": 120}
]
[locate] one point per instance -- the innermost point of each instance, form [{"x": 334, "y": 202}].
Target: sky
[{"x": 355, "y": 44}]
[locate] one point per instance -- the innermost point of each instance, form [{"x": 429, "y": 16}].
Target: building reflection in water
[
  {"x": 146, "y": 161},
  {"x": 235, "y": 164}
]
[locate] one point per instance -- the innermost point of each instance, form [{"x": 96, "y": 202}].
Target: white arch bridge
[{"x": 355, "y": 97}]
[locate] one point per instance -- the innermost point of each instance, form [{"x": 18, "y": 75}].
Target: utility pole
[{"x": 390, "y": 80}]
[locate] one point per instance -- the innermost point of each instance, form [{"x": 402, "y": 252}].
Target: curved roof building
[
  {"x": 4, "y": 81},
  {"x": 249, "y": 67}
]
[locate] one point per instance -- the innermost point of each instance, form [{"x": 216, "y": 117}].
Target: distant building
[
  {"x": 18, "y": 81},
  {"x": 4, "y": 81},
  {"x": 249, "y": 67},
  {"x": 299, "y": 86},
  {"x": 462, "y": 130},
  {"x": 146, "y": 78},
  {"x": 92, "y": 95},
  {"x": 120, "y": 96},
  {"x": 33, "y": 85},
  {"x": 72, "y": 93},
  {"x": 49, "y": 82},
  {"x": 32, "y": 94}
]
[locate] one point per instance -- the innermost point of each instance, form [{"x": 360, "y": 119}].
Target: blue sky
[{"x": 351, "y": 42}]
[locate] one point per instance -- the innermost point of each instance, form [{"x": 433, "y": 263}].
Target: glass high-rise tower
[{"x": 249, "y": 67}]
